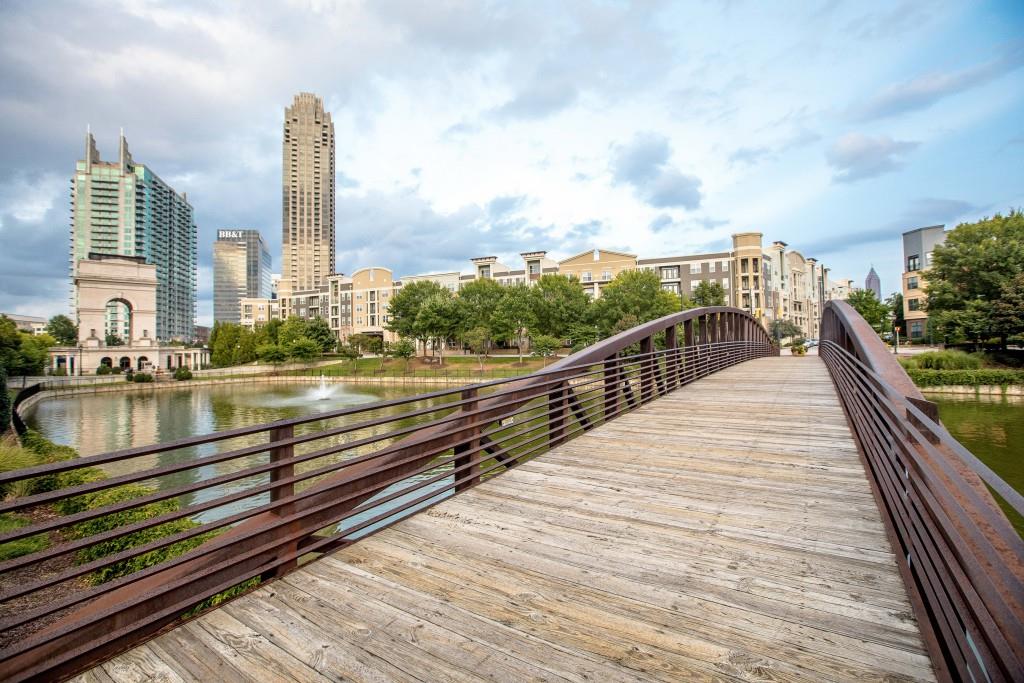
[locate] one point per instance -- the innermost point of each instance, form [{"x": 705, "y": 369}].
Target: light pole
[{"x": 895, "y": 334}]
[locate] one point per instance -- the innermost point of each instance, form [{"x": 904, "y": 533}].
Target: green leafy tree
[
  {"x": 969, "y": 272},
  {"x": 319, "y": 331},
  {"x": 224, "y": 343},
  {"x": 404, "y": 349},
  {"x": 268, "y": 331},
  {"x": 245, "y": 347},
  {"x": 271, "y": 353},
  {"x": 583, "y": 335},
  {"x": 1008, "y": 310},
  {"x": 303, "y": 349},
  {"x": 513, "y": 317},
  {"x": 34, "y": 353},
  {"x": 895, "y": 304},
  {"x": 405, "y": 306},
  {"x": 349, "y": 352},
  {"x": 870, "y": 308},
  {"x": 113, "y": 340},
  {"x": 63, "y": 330},
  {"x": 635, "y": 293},
  {"x": 707, "y": 293},
  {"x": 544, "y": 346},
  {"x": 292, "y": 329},
  {"x": 478, "y": 304},
  {"x": 362, "y": 342},
  {"x": 479, "y": 340},
  {"x": 10, "y": 344},
  {"x": 439, "y": 320},
  {"x": 557, "y": 302},
  {"x": 780, "y": 329}
]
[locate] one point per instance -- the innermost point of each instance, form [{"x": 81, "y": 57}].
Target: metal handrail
[
  {"x": 316, "y": 483},
  {"x": 959, "y": 556}
]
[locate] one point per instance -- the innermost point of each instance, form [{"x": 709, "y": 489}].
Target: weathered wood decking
[{"x": 726, "y": 531}]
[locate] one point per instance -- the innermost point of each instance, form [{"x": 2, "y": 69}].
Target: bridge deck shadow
[{"x": 725, "y": 531}]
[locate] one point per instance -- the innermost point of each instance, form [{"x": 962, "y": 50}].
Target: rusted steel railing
[
  {"x": 960, "y": 557},
  {"x": 262, "y": 500}
]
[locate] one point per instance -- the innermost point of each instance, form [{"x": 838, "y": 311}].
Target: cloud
[
  {"x": 500, "y": 207},
  {"x": 856, "y": 156},
  {"x": 920, "y": 212},
  {"x": 750, "y": 155},
  {"x": 643, "y": 164},
  {"x": 924, "y": 91},
  {"x": 662, "y": 222},
  {"x": 894, "y": 20}
]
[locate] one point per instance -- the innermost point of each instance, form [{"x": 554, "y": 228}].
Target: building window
[
  {"x": 694, "y": 269},
  {"x": 670, "y": 273},
  {"x": 606, "y": 275},
  {"x": 534, "y": 267},
  {"x": 586, "y": 276},
  {"x": 913, "y": 263},
  {"x": 912, "y": 283},
  {"x": 914, "y": 304},
  {"x": 670, "y": 287},
  {"x": 916, "y": 329},
  {"x": 725, "y": 266}
]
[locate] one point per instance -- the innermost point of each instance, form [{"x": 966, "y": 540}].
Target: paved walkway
[{"x": 724, "y": 532}]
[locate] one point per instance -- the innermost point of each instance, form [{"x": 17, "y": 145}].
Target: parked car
[{"x": 811, "y": 343}]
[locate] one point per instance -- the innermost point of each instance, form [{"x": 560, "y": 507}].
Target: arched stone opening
[{"x": 125, "y": 363}]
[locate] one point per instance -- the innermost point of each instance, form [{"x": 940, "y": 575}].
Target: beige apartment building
[
  {"x": 255, "y": 311},
  {"x": 595, "y": 268},
  {"x": 307, "y": 214},
  {"x": 917, "y": 259}
]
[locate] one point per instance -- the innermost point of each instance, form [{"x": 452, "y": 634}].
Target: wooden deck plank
[{"x": 725, "y": 531}]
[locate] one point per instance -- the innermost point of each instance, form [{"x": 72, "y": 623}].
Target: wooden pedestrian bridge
[{"x": 676, "y": 503}]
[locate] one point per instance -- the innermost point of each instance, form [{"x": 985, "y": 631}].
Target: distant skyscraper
[
  {"x": 873, "y": 284},
  {"x": 307, "y": 216},
  {"x": 241, "y": 269},
  {"x": 125, "y": 209}
]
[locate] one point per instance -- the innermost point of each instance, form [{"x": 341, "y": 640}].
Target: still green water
[
  {"x": 99, "y": 423},
  {"x": 991, "y": 427}
]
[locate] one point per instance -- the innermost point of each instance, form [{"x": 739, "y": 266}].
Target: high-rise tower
[
  {"x": 307, "y": 215},
  {"x": 241, "y": 269},
  {"x": 122, "y": 208}
]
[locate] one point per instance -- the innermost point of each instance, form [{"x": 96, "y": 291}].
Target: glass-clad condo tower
[{"x": 124, "y": 208}]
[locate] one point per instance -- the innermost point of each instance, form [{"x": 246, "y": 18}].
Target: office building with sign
[{"x": 241, "y": 270}]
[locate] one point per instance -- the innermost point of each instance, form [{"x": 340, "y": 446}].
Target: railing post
[
  {"x": 284, "y": 455},
  {"x": 672, "y": 357},
  {"x": 611, "y": 387},
  {"x": 465, "y": 452},
  {"x": 689, "y": 350},
  {"x": 556, "y": 420},
  {"x": 647, "y": 369}
]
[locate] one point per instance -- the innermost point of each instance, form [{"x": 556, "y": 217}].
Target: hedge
[{"x": 974, "y": 378}]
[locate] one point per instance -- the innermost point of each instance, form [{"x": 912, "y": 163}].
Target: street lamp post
[{"x": 895, "y": 334}]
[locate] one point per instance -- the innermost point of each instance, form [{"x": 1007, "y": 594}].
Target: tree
[
  {"x": 405, "y": 307},
  {"x": 438, "y": 320},
  {"x": 223, "y": 344},
  {"x": 1008, "y": 310},
  {"x": 319, "y": 331},
  {"x": 969, "y": 272},
  {"x": 303, "y": 349},
  {"x": 780, "y": 329},
  {"x": 292, "y": 329},
  {"x": 870, "y": 308},
  {"x": 404, "y": 349},
  {"x": 478, "y": 303},
  {"x": 33, "y": 354},
  {"x": 635, "y": 293},
  {"x": 582, "y": 335},
  {"x": 708, "y": 293},
  {"x": 514, "y": 317},
  {"x": 557, "y": 302},
  {"x": 544, "y": 346},
  {"x": 895, "y": 304},
  {"x": 362, "y": 342},
  {"x": 113, "y": 340},
  {"x": 63, "y": 330},
  {"x": 271, "y": 353},
  {"x": 10, "y": 344},
  {"x": 479, "y": 340}
]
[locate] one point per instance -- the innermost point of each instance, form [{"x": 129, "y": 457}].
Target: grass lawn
[{"x": 455, "y": 366}]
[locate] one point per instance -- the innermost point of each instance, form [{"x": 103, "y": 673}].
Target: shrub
[
  {"x": 24, "y": 546},
  {"x": 116, "y": 370},
  {"x": 182, "y": 374},
  {"x": 35, "y": 450},
  {"x": 84, "y": 475},
  {"x": 118, "y": 519},
  {"x": 943, "y": 360},
  {"x": 59, "y": 372},
  {"x": 103, "y": 370},
  {"x": 974, "y": 378},
  {"x": 142, "y": 377},
  {"x": 5, "y": 403}
]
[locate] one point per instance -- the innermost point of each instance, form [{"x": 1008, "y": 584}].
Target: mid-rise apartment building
[
  {"x": 123, "y": 208},
  {"x": 307, "y": 209},
  {"x": 28, "y": 323},
  {"x": 918, "y": 245},
  {"x": 256, "y": 311},
  {"x": 241, "y": 269}
]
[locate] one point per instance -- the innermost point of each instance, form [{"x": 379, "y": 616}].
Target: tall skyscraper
[
  {"x": 241, "y": 269},
  {"x": 873, "y": 284},
  {"x": 307, "y": 216},
  {"x": 123, "y": 208}
]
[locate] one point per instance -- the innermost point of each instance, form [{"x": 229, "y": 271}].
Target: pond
[
  {"x": 98, "y": 423},
  {"x": 991, "y": 427}
]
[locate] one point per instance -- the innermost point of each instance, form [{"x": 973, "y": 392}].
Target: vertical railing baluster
[
  {"x": 611, "y": 387},
  {"x": 466, "y": 452},
  {"x": 284, "y": 455}
]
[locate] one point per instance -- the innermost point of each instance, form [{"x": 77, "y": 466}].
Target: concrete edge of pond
[{"x": 982, "y": 390}]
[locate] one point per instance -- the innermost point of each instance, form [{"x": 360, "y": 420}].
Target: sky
[{"x": 478, "y": 128}]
